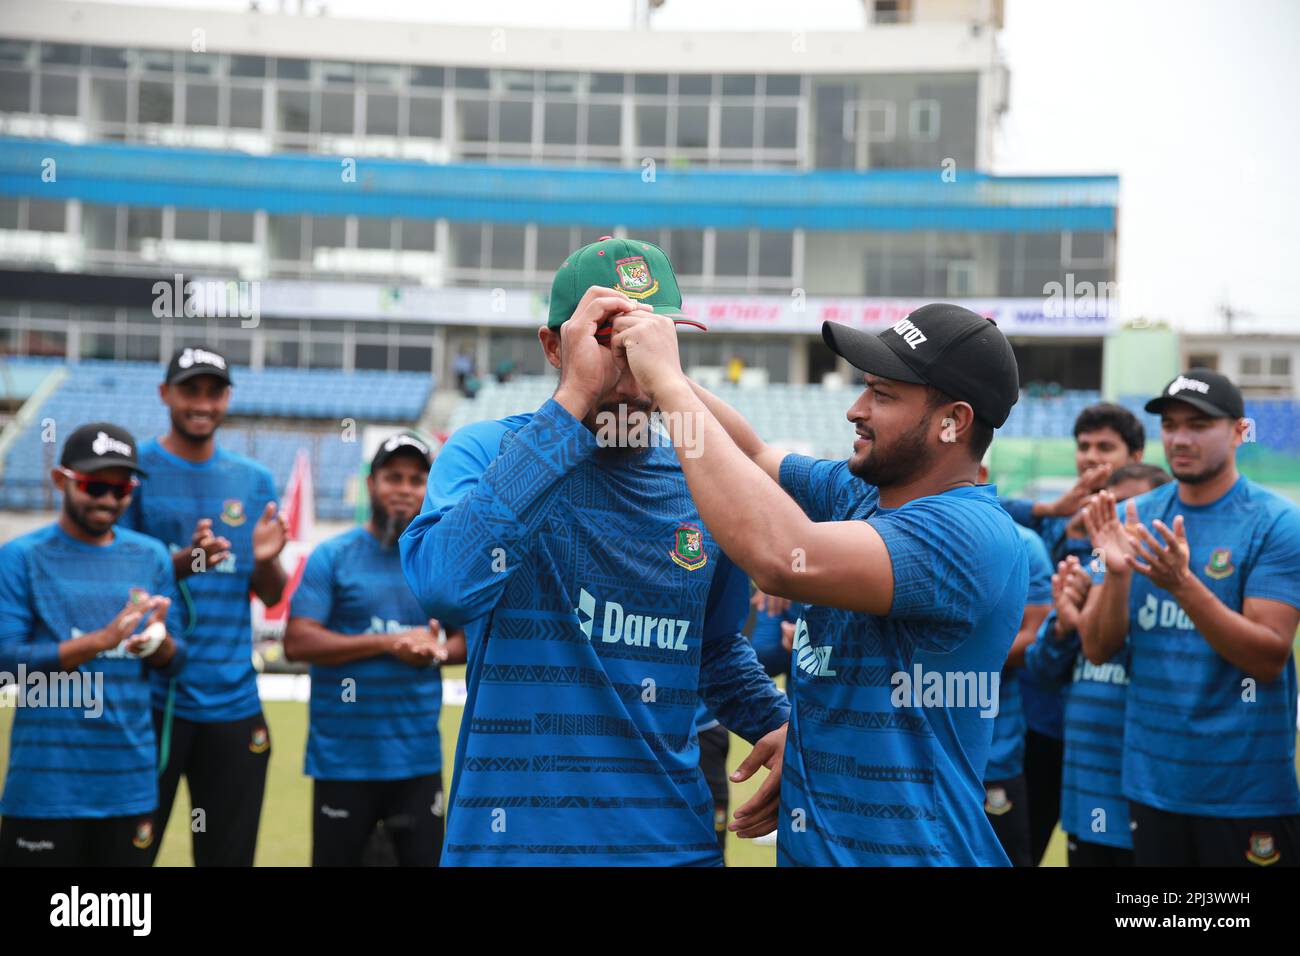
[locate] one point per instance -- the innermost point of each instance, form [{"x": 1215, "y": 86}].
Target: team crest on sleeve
[
  {"x": 1220, "y": 564},
  {"x": 1263, "y": 851},
  {"x": 143, "y": 835},
  {"x": 634, "y": 277},
  {"x": 232, "y": 512},
  {"x": 688, "y": 548}
]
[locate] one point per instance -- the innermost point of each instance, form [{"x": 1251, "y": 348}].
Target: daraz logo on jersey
[
  {"x": 814, "y": 660},
  {"x": 1167, "y": 613},
  {"x": 638, "y": 630}
]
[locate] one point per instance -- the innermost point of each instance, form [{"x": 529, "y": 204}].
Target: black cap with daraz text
[
  {"x": 1203, "y": 389},
  {"x": 188, "y": 363},
  {"x": 99, "y": 445},
  {"x": 407, "y": 442},
  {"x": 962, "y": 354}
]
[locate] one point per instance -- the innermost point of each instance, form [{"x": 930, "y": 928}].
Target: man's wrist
[
  {"x": 1185, "y": 588},
  {"x": 574, "y": 401},
  {"x": 674, "y": 393}
]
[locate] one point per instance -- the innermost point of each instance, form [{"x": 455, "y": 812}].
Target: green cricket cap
[{"x": 638, "y": 269}]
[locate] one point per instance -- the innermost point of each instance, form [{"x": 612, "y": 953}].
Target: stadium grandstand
[{"x": 373, "y": 235}]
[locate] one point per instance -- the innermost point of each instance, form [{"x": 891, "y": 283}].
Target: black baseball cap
[
  {"x": 1203, "y": 389},
  {"x": 100, "y": 445},
  {"x": 962, "y": 354},
  {"x": 192, "y": 361},
  {"x": 408, "y": 443}
]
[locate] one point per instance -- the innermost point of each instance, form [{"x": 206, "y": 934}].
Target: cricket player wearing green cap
[{"x": 599, "y": 611}]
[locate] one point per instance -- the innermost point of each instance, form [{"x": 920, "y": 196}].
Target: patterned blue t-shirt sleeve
[
  {"x": 17, "y": 619},
  {"x": 1040, "y": 570},
  {"x": 733, "y": 684},
  {"x": 1021, "y": 511},
  {"x": 816, "y": 484},
  {"x": 459, "y": 553},
  {"x": 1048, "y": 660},
  {"x": 314, "y": 596},
  {"x": 951, "y": 562},
  {"x": 1275, "y": 575}
]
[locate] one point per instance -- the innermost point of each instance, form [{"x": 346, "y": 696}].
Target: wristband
[{"x": 154, "y": 635}]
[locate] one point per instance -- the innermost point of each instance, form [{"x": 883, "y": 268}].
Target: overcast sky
[{"x": 1186, "y": 100}]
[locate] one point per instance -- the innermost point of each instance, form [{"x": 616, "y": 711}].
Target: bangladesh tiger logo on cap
[
  {"x": 634, "y": 277},
  {"x": 688, "y": 548},
  {"x": 232, "y": 512}
]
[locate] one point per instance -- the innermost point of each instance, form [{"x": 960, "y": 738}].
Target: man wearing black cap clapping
[
  {"x": 1210, "y": 617},
  {"x": 216, "y": 512}
]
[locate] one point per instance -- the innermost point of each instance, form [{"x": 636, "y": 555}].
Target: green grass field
[{"x": 285, "y": 837}]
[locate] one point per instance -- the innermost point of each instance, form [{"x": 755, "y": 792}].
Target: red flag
[{"x": 299, "y": 509}]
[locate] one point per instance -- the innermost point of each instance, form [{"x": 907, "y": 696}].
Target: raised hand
[
  {"x": 1167, "y": 563},
  {"x": 123, "y": 623},
  {"x": 1090, "y": 482},
  {"x": 270, "y": 534},
  {"x": 1101, "y": 519},
  {"x": 215, "y": 549},
  {"x": 1070, "y": 586},
  {"x": 586, "y": 369},
  {"x": 648, "y": 344}
]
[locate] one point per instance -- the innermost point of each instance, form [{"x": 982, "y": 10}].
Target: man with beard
[
  {"x": 209, "y": 720},
  {"x": 915, "y": 575},
  {"x": 373, "y": 748},
  {"x": 599, "y": 611},
  {"x": 82, "y": 786},
  {"x": 1210, "y": 617}
]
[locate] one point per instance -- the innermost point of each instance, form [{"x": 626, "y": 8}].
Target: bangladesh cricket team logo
[
  {"x": 138, "y": 595},
  {"x": 634, "y": 277},
  {"x": 688, "y": 548},
  {"x": 232, "y": 512},
  {"x": 259, "y": 742},
  {"x": 996, "y": 802},
  {"x": 1263, "y": 851},
  {"x": 143, "y": 835},
  {"x": 1220, "y": 564}
]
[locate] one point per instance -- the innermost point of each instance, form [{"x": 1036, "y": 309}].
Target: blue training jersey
[
  {"x": 766, "y": 638},
  {"x": 1093, "y": 807},
  {"x": 377, "y": 718},
  {"x": 97, "y": 759},
  {"x": 598, "y": 614},
  {"x": 1007, "y": 752},
  {"x": 219, "y": 682},
  {"x": 1201, "y": 736},
  {"x": 875, "y": 775},
  {"x": 1043, "y": 705}
]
